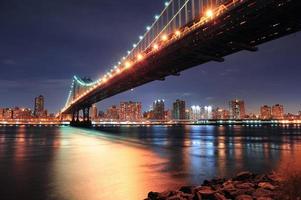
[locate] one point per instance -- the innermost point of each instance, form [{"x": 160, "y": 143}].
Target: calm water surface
[{"x": 64, "y": 163}]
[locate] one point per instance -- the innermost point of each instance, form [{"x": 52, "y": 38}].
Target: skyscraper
[
  {"x": 112, "y": 113},
  {"x": 179, "y": 110},
  {"x": 277, "y": 111},
  {"x": 39, "y": 106},
  {"x": 237, "y": 109},
  {"x": 94, "y": 113},
  {"x": 130, "y": 111},
  {"x": 265, "y": 112},
  {"x": 158, "y": 110},
  {"x": 195, "y": 113}
]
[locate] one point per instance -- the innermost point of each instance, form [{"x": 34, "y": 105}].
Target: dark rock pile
[{"x": 244, "y": 186}]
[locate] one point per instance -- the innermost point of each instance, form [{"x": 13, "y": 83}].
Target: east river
[{"x": 64, "y": 163}]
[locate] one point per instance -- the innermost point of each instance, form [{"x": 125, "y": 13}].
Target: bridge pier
[{"x": 86, "y": 122}]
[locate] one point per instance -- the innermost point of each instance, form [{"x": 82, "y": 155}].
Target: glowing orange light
[
  {"x": 118, "y": 70},
  {"x": 209, "y": 13},
  {"x": 139, "y": 57},
  {"x": 164, "y": 37},
  {"x": 178, "y": 33},
  {"x": 127, "y": 64},
  {"x": 156, "y": 47}
]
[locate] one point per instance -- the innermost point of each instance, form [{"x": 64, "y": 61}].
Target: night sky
[{"x": 43, "y": 43}]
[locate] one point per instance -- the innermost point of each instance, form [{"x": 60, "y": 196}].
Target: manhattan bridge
[{"x": 187, "y": 33}]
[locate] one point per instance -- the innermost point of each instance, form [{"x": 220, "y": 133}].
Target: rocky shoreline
[{"x": 244, "y": 186}]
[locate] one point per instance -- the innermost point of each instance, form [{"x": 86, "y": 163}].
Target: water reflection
[{"x": 127, "y": 162}]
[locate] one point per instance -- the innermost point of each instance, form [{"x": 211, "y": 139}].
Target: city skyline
[{"x": 268, "y": 76}]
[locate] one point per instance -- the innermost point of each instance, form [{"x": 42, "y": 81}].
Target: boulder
[
  {"x": 187, "y": 189},
  {"x": 260, "y": 192},
  {"x": 153, "y": 195},
  {"x": 246, "y": 185},
  {"x": 206, "y": 193},
  {"x": 219, "y": 196},
  {"x": 266, "y": 185},
  {"x": 244, "y": 197}
]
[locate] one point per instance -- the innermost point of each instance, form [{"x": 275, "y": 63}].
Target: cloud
[
  {"x": 8, "y": 62},
  {"x": 36, "y": 84}
]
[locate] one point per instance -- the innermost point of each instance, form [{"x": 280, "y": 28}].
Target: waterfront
[{"x": 126, "y": 162}]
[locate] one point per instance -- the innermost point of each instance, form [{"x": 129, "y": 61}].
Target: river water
[{"x": 64, "y": 163}]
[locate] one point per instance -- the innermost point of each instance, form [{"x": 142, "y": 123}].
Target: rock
[
  {"x": 242, "y": 176},
  {"x": 187, "y": 189},
  {"x": 153, "y": 195},
  {"x": 244, "y": 197},
  {"x": 175, "y": 198},
  {"x": 219, "y": 196},
  {"x": 206, "y": 193},
  {"x": 187, "y": 196},
  {"x": 266, "y": 185},
  {"x": 264, "y": 198},
  {"x": 202, "y": 188},
  {"x": 246, "y": 185},
  {"x": 260, "y": 192}
]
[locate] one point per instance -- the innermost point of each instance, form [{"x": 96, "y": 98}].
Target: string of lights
[{"x": 160, "y": 40}]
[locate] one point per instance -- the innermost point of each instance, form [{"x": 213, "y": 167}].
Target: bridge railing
[{"x": 176, "y": 15}]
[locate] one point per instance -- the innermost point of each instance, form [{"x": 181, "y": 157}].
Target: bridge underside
[{"x": 243, "y": 28}]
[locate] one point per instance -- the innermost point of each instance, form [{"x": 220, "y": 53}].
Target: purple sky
[{"x": 44, "y": 43}]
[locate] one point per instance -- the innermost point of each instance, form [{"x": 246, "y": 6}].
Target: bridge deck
[{"x": 245, "y": 26}]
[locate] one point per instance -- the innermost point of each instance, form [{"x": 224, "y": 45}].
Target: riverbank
[{"x": 244, "y": 186}]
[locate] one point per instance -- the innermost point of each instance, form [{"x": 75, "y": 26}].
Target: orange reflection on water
[{"x": 88, "y": 168}]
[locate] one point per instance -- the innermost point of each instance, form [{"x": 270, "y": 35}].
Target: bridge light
[
  {"x": 129, "y": 52},
  {"x": 134, "y": 45},
  {"x": 118, "y": 70},
  {"x": 209, "y": 13},
  {"x": 140, "y": 37},
  {"x": 148, "y": 28},
  {"x": 140, "y": 57},
  {"x": 164, "y": 37},
  {"x": 166, "y": 3},
  {"x": 157, "y": 17},
  {"x": 155, "y": 46},
  {"x": 178, "y": 33},
  {"x": 127, "y": 64}
]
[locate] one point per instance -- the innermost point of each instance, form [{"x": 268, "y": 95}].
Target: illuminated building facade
[
  {"x": 112, "y": 113},
  {"x": 237, "y": 109},
  {"x": 158, "y": 110},
  {"x": 130, "y": 111},
  {"x": 219, "y": 113},
  {"x": 94, "y": 112},
  {"x": 179, "y": 110},
  {"x": 195, "y": 113},
  {"x": 265, "y": 112},
  {"x": 278, "y": 111},
  {"x": 39, "y": 107}
]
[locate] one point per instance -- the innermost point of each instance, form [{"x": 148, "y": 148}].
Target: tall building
[
  {"x": 112, "y": 113},
  {"x": 94, "y": 112},
  {"x": 179, "y": 110},
  {"x": 1, "y": 113},
  {"x": 130, "y": 111},
  {"x": 195, "y": 113},
  {"x": 237, "y": 109},
  {"x": 265, "y": 112},
  {"x": 207, "y": 112},
  {"x": 39, "y": 106},
  {"x": 277, "y": 111},
  {"x": 158, "y": 110}
]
